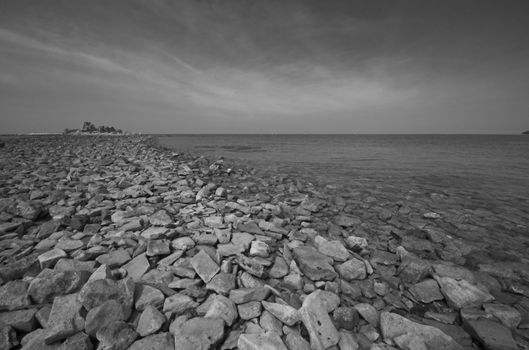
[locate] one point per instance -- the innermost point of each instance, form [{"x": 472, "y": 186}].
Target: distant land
[
  {"x": 90, "y": 128},
  {"x": 525, "y": 132}
]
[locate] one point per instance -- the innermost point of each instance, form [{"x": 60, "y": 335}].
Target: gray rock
[
  {"x": 178, "y": 303},
  {"x": 490, "y": 335},
  {"x": 353, "y": 269},
  {"x": 160, "y": 218},
  {"x": 263, "y": 341},
  {"x": 333, "y": 249},
  {"x": 252, "y": 266},
  {"x": 183, "y": 243},
  {"x": 154, "y": 232},
  {"x": 147, "y": 295},
  {"x": 115, "y": 258},
  {"x": 199, "y": 333},
  {"x": 279, "y": 269},
  {"x": 348, "y": 341},
  {"x": 35, "y": 341},
  {"x": 368, "y": 313},
  {"x": 96, "y": 293},
  {"x": 249, "y": 227},
  {"x": 8, "y": 338},
  {"x": 48, "y": 259},
  {"x": 462, "y": 294},
  {"x": 244, "y": 295},
  {"x": 345, "y": 317},
  {"x": 78, "y": 341},
  {"x": 394, "y": 326},
  {"x": 150, "y": 321},
  {"x": 316, "y": 320},
  {"x": 222, "y": 308},
  {"x": 18, "y": 268},
  {"x": 284, "y": 313},
  {"x": 249, "y": 310},
  {"x": 356, "y": 243},
  {"x": 204, "y": 266},
  {"x": 346, "y": 221},
  {"x": 508, "y": 315},
  {"x": 74, "y": 265},
  {"x": 137, "y": 267},
  {"x": 13, "y": 295},
  {"x": 158, "y": 247},
  {"x": 20, "y": 320},
  {"x": 65, "y": 318},
  {"x": 222, "y": 283},
  {"x": 69, "y": 245},
  {"x": 259, "y": 248},
  {"x": 294, "y": 341},
  {"x": 103, "y": 315},
  {"x": 426, "y": 291},
  {"x": 116, "y": 336},
  {"x": 49, "y": 283},
  {"x": 161, "y": 341},
  {"x": 313, "y": 264}
]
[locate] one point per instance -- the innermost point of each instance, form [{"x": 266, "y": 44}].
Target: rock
[
  {"x": 249, "y": 310},
  {"x": 161, "y": 341},
  {"x": 508, "y": 315},
  {"x": 259, "y": 248},
  {"x": 18, "y": 268},
  {"x": 103, "y": 315},
  {"x": 491, "y": 335},
  {"x": 426, "y": 291},
  {"x": 49, "y": 283},
  {"x": 368, "y": 313},
  {"x": 29, "y": 210},
  {"x": 137, "y": 267},
  {"x": 199, "y": 333},
  {"x": 20, "y": 320},
  {"x": 223, "y": 236},
  {"x": 356, "y": 243},
  {"x": 222, "y": 283},
  {"x": 150, "y": 321},
  {"x": 264, "y": 341},
  {"x": 269, "y": 322},
  {"x": 352, "y": 269},
  {"x": 244, "y": 295},
  {"x": 222, "y": 308},
  {"x": 69, "y": 245},
  {"x": 158, "y": 247},
  {"x": 279, "y": 269},
  {"x": 154, "y": 232},
  {"x": 249, "y": 227},
  {"x": 178, "y": 303},
  {"x": 183, "y": 243},
  {"x": 65, "y": 318},
  {"x": 333, "y": 249},
  {"x": 345, "y": 317},
  {"x": 316, "y": 320},
  {"x": 74, "y": 265},
  {"x": 8, "y": 338},
  {"x": 204, "y": 266},
  {"x": 96, "y": 293},
  {"x": 116, "y": 336},
  {"x": 462, "y": 294},
  {"x": 35, "y": 341},
  {"x": 313, "y": 264},
  {"x": 13, "y": 295},
  {"x": 48, "y": 259},
  {"x": 251, "y": 265},
  {"x": 394, "y": 326},
  {"x": 214, "y": 221},
  {"x": 346, "y": 221},
  {"x": 115, "y": 258},
  {"x": 78, "y": 341},
  {"x": 284, "y": 313},
  {"x": 160, "y": 218},
  {"x": 147, "y": 295},
  {"x": 294, "y": 341}
]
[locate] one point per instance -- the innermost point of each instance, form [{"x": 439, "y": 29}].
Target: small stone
[
  {"x": 249, "y": 227},
  {"x": 183, "y": 243},
  {"x": 13, "y": 295},
  {"x": 352, "y": 269},
  {"x": 251, "y": 265},
  {"x": 222, "y": 308},
  {"x": 368, "y": 313},
  {"x": 356, "y": 243},
  {"x": 348, "y": 341},
  {"x": 279, "y": 269},
  {"x": 222, "y": 283},
  {"x": 426, "y": 291},
  {"x": 116, "y": 336},
  {"x": 158, "y": 247},
  {"x": 249, "y": 310},
  {"x": 462, "y": 294},
  {"x": 65, "y": 318},
  {"x": 115, "y": 258},
  {"x": 244, "y": 295},
  {"x": 74, "y": 265},
  {"x": 223, "y": 235},
  {"x": 137, "y": 267},
  {"x": 316, "y": 320},
  {"x": 103, "y": 315},
  {"x": 160, "y": 218},
  {"x": 259, "y": 248},
  {"x": 313, "y": 264},
  {"x": 204, "y": 266},
  {"x": 69, "y": 245},
  {"x": 198, "y": 333},
  {"x": 270, "y": 323},
  {"x": 147, "y": 295},
  {"x": 96, "y": 293},
  {"x": 154, "y": 232},
  {"x": 294, "y": 341},
  {"x": 150, "y": 321},
  {"x": 214, "y": 221},
  {"x": 346, "y": 221},
  {"x": 345, "y": 318},
  {"x": 178, "y": 303},
  {"x": 334, "y": 249},
  {"x": 48, "y": 259},
  {"x": 161, "y": 341},
  {"x": 284, "y": 313},
  {"x": 49, "y": 283},
  {"x": 263, "y": 341}
]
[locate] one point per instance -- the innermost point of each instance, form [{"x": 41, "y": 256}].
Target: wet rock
[
  {"x": 103, "y": 315},
  {"x": 150, "y": 321},
  {"x": 204, "y": 266},
  {"x": 284, "y": 313},
  {"x": 49, "y": 283},
  {"x": 353, "y": 269},
  {"x": 264, "y": 341},
  {"x": 161, "y": 341},
  {"x": 198, "y": 333},
  {"x": 65, "y": 318},
  {"x": 222, "y": 308},
  {"x": 426, "y": 291},
  {"x": 316, "y": 320},
  {"x": 491, "y": 335},
  {"x": 333, "y": 249},
  {"x": 394, "y": 326},
  {"x": 313, "y": 264},
  {"x": 116, "y": 336},
  {"x": 462, "y": 294},
  {"x": 13, "y": 295}
]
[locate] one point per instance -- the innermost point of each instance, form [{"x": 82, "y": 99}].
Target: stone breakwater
[{"x": 114, "y": 243}]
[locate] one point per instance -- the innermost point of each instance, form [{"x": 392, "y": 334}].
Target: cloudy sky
[{"x": 261, "y": 66}]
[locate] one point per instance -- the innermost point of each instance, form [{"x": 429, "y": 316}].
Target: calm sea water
[{"x": 486, "y": 166}]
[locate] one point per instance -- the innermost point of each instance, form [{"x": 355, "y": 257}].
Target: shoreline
[{"x": 188, "y": 236}]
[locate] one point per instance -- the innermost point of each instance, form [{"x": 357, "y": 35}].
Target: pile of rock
[{"x": 117, "y": 244}]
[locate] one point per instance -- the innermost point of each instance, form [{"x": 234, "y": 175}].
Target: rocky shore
[{"x": 116, "y": 243}]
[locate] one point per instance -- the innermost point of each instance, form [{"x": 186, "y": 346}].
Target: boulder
[
  {"x": 316, "y": 320},
  {"x": 462, "y": 294},
  {"x": 50, "y": 283},
  {"x": 314, "y": 264}
]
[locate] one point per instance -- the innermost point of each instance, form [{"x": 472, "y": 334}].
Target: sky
[{"x": 265, "y": 66}]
